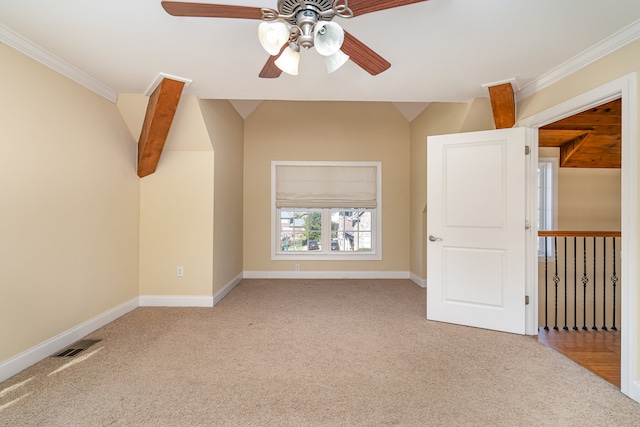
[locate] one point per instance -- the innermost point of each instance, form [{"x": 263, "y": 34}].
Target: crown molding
[
  {"x": 512, "y": 80},
  {"x": 32, "y": 50},
  {"x": 605, "y": 47}
]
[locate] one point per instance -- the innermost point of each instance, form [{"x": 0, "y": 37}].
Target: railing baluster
[
  {"x": 614, "y": 281},
  {"x": 556, "y": 279},
  {"x": 546, "y": 286},
  {"x": 604, "y": 284},
  {"x": 585, "y": 281},
  {"x": 594, "y": 285},
  {"x": 588, "y": 278},
  {"x": 575, "y": 284},
  {"x": 565, "y": 285}
]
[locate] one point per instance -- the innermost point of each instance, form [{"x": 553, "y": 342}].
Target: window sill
[{"x": 306, "y": 256}]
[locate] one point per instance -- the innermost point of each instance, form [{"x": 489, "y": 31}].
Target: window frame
[
  {"x": 277, "y": 254},
  {"x": 549, "y": 189}
]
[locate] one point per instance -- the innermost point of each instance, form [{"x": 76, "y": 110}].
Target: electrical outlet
[
  {"x": 297, "y": 267},
  {"x": 180, "y": 271}
]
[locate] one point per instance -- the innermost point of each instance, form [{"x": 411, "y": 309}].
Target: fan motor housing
[{"x": 292, "y": 8}]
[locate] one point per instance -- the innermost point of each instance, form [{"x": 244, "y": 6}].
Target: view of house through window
[
  {"x": 349, "y": 230},
  {"x": 300, "y": 230},
  {"x": 352, "y": 230}
]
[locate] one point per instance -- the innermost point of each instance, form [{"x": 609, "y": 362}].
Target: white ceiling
[{"x": 440, "y": 50}]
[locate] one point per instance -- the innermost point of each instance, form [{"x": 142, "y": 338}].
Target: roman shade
[{"x": 311, "y": 186}]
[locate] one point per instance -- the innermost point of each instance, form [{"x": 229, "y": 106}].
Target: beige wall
[
  {"x": 191, "y": 207},
  {"x": 176, "y": 225},
  {"x": 618, "y": 64},
  {"x": 326, "y": 131},
  {"x": 176, "y": 204},
  {"x": 589, "y": 199},
  {"x": 226, "y": 132},
  {"x": 69, "y": 209},
  {"x": 437, "y": 119}
]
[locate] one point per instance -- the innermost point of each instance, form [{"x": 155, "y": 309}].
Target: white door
[{"x": 476, "y": 229}]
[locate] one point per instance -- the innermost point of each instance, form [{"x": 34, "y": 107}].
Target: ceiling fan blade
[
  {"x": 270, "y": 71},
  {"x": 360, "y": 7},
  {"x": 211, "y": 10},
  {"x": 363, "y": 55}
]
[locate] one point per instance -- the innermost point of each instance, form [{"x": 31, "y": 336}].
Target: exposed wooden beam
[
  {"x": 568, "y": 149},
  {"x": 157, "y": 122},
  {"x": 558, "y": 137},
  {"x": 590, "y": 139},
  {"x": 503, "y": 105}
]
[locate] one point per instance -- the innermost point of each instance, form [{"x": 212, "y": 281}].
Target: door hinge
[
  {"x": 527, "y": 150},
  {"x": 527, "y": 224},
  {"x": 526, "y": 300}
]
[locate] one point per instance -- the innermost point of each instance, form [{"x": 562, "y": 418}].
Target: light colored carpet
[{"x": 310, "y": 353}]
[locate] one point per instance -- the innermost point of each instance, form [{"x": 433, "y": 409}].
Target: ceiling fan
[{"x": 301, "y": 23}]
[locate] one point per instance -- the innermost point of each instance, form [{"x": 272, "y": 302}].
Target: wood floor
[{"x": 597, "y": 351}]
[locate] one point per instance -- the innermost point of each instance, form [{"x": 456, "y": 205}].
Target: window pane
[
  {"x": 300, "y": 230},
  {"x": 546, "y": 208},
  {"x": 351, "y": 230}
]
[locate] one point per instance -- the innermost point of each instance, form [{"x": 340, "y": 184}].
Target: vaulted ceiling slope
[{"x": 439, "y": 50}]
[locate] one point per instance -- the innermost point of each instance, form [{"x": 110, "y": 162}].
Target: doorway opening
[
  {"x": 579, "y": 223},
  {"x": 625, "y": 88}
]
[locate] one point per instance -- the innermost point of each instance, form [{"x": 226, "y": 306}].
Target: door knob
[{"x": 433, "y": 238}]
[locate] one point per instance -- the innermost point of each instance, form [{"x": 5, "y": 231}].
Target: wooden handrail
[{"x": 554, "y": 233}]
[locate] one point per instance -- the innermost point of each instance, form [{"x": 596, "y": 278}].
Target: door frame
[{"x": 625, "y": 88}]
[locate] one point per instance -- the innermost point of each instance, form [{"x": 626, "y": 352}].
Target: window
[
  {"x": 547, "y": 201},
  {"x": 351, "y": 230},
  {"x": 326, "y": 210}
]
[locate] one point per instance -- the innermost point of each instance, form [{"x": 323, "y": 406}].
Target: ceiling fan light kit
[
  {"x": 335, "y": 61},
  {"x": 328, "y": 38},
  {"x": 289, "y": 60},
  {"x": 301, "y": 23},
  {"x": 308, "y": 24},
  {"x": 273, "y": 35}
]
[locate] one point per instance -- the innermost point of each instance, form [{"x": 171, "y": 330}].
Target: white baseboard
[
  {"x": 326, "y": 275},
  {"x": 224, "y": 291},
  {"x": 418, "y": 281},
  {"x": 35, "y": 354},
  {"x": 634, "y": 391},
  {"x": 175, "y": 301}
]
